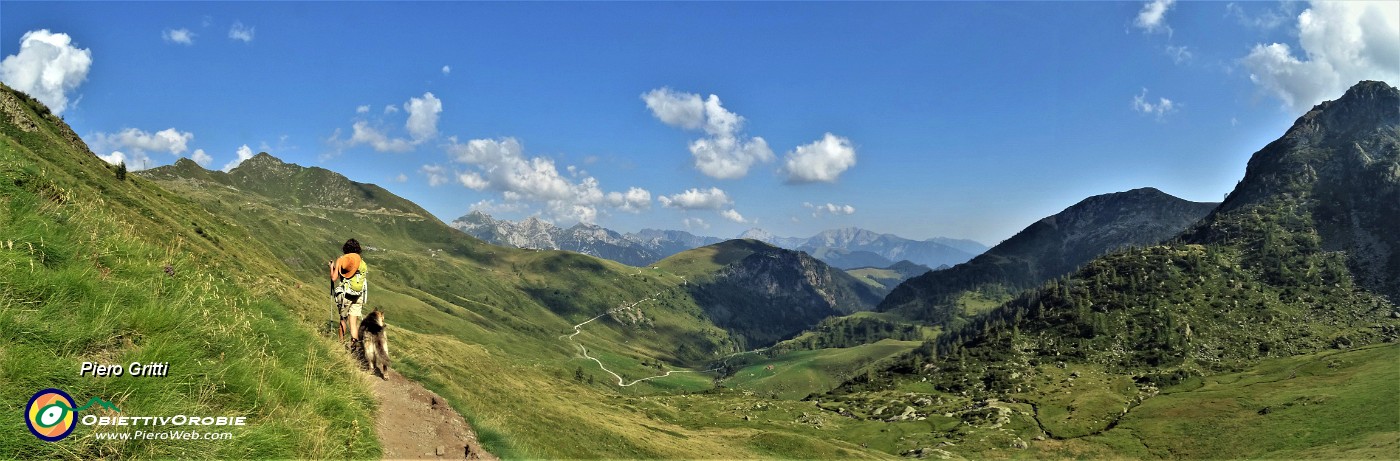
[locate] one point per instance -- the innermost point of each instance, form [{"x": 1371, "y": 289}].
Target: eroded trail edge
[{"x": 416, "y": 423}]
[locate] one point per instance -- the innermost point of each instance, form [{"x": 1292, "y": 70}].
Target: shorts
[{"x": 348, "y": 308}]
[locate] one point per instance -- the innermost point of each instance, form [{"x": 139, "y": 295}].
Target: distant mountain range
[
  {"x": 638, "y": 249},
  {"x": 847, "y": 248},
  {"x": 853, "y": 247}
]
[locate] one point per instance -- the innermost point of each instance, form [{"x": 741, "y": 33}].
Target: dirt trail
[{"x": 415, "y": 423}]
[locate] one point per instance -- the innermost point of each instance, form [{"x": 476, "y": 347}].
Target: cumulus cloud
[
  {"x": 732, "y": 215},
  {"x": 724, "y": 153},
  {"x": 48, "y": 67},
  {"x": 240, "y": 32},
  {"x": 423, "y": 113},
  {"x": 1341, "y": 43},
  {"x": 365, "y": 134},
  {"x": 501, "y": 165},
  {"x": 697, "y": 199},
  {"x": 201, "y": 158},
  {"x": 1153, "y": 16},
  {"x": 821, "y": 161},
  {"x": 492, "y": 207},
  {"x": 683, "y": 110},
  {"x": 695, "y": 223},
  {"x": 169, "y": 140},
  {"x": 829, "y": 208},
  {"x": 437, "y": 175},
  {"x": 132, "y": 146},
  {"x": 135, "y": 161},
  {"x": 244, "y": 153},
  {"x": 634, "y": 200},
  {"x": 181, "y": 36},
  {"x": 1158, "y": 109},
  {"x": 401, "y": 178},
  {"x": 423, "y": 116},
  {"x": 446, "y": 70}
]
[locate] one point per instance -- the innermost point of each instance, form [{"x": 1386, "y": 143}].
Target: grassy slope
[
  {"x": 1329, "y": 405},
  {"x": 83, "y": 278},
  {"x": 797, "y": 374},
  {"x": 482, "y": 325},
  {"x": 705, "y": 260},
  {"x": 883, "y": 279}
]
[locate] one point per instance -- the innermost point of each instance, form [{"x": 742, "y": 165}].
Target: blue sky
[{"x": 967, "y": 119}]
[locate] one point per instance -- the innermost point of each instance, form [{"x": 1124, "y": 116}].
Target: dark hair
[{"x": 351, "y": 246}]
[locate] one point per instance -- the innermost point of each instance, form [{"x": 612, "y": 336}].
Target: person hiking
[{"x": 350, "y": 290}]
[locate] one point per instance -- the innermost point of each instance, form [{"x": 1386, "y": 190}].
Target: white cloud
[
  {"x": 366, "y": 134},
  {"x": 491, "y": 207},
  {"x": 437, "y": 175},
  {"x": 724, "y": 153},
  {"x": 634, "y": 200},
  {"x": 421, "y": 126},
  {"x": 696, "y": 199},
  {"x": 683, "y": 110},
  {"x": 240, "y": 32},
  {"x": 695, "y": 223},
  {"x": 169, "y": 140},
  {"x": 47, "y": 67},
  {"x": 135, "y": 161},
  {"x": 501, "y": 165},
  {"x": 1158, "y": 109},
  {"x": 473, "y": 180},
  {"x": 401, "y": 178},
  {"x": 201, "y": 158},
  {"x": 244, "y": 153},
  {"x": 446, "y": 70},
  {"x": 182, "y": 36},
  {"x": 1153, "y": 16},
  {"x": 1179, "y": 54},
  {"x": 732, "y": 215},
  {"x": 821, "y": 161},
  {"x": 422, "y": 116},
  {"x": 829, "y": 208},
  {"x": 1269, "y": 19},
  {"x": 1342, "y": 43},
  {"x": 391, "y": 109}
]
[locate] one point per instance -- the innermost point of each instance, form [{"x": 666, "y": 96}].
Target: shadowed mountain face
[
  {"x": 1299, "y": 258},
  {"x": 1049, "y": 248},
  {"x": 1338, "y": 169},
  {"x": 765, "y": 293}
]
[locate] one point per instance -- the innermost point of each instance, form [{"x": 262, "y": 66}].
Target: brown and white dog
[{"x": 376, "y": 343}]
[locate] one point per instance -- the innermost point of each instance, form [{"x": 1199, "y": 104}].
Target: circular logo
[{"x": 49, "y": 415}]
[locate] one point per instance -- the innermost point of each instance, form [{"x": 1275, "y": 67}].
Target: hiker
[{"x": 350, "y": 289}]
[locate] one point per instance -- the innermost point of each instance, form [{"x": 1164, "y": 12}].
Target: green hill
[
  {"x": 888, "y": 278},
  {"x": 1049, "y": 248},
  {"x": 483, "y": 325},
  {"x": 1260, "y": 278},
  {"x": 113, "y": 270},
  {"x": 764, "y": 294}
]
